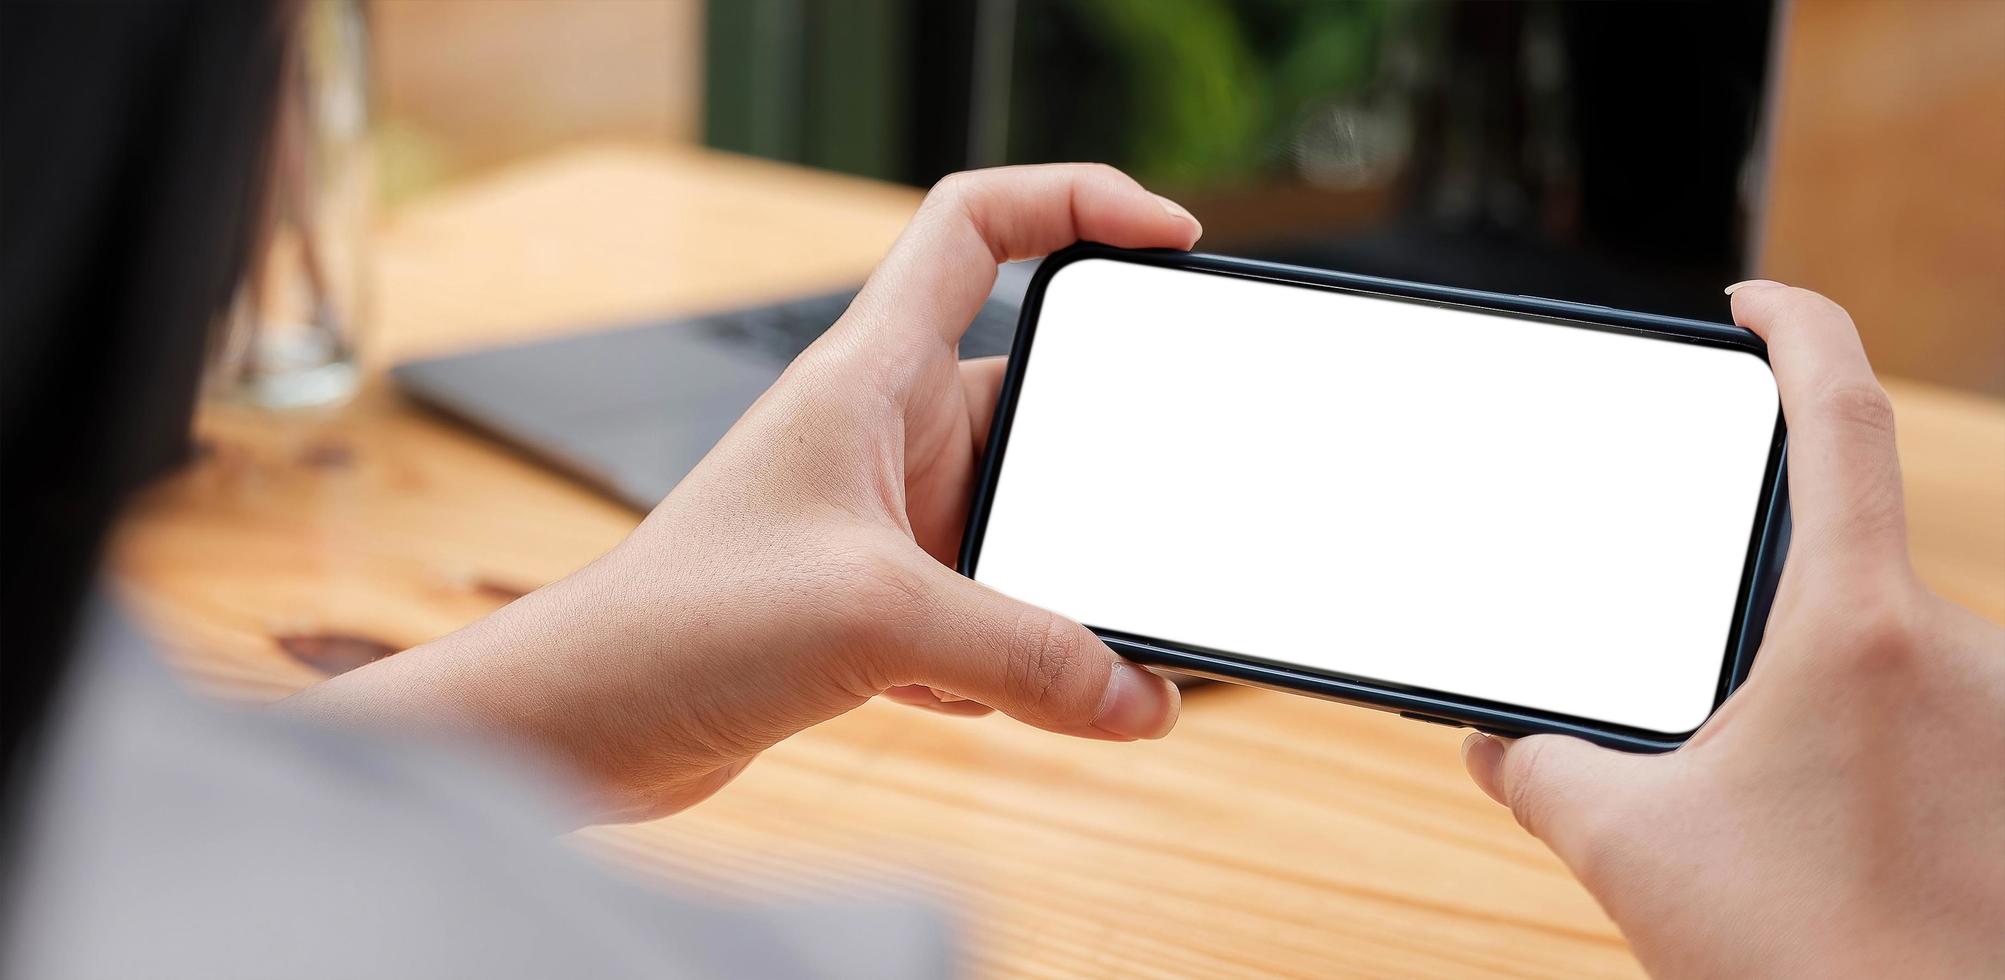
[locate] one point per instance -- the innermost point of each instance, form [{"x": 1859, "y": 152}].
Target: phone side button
[{"x": 1430, "y": 719}]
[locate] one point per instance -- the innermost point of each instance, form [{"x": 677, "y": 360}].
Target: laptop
[{"x": 631, "y": 409}]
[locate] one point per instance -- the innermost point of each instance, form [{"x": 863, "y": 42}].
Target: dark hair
[{"x": 134, "y": 140}]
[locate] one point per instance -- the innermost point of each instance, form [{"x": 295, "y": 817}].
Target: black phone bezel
[{"x": 1767, "y": 544}]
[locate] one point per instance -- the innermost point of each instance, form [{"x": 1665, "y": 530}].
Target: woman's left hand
[{"x": 803, "y": 567}]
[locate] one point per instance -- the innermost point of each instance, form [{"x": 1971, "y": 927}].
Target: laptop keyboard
[{"x": 786, "y": 328}]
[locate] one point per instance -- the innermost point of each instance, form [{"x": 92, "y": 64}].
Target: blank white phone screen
[{"x": 1499, "y": 508}]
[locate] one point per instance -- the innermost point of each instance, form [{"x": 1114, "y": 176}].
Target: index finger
[
  {"x": 1844, "y": 472},
  {"x": 944, "y": 264}
]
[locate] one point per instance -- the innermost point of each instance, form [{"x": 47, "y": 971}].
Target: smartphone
[{"x": 1504, "y": 512}]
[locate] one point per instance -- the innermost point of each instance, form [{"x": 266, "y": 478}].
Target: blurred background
[
  {"x": 1634, "y": 154},
  {"x": 597, "y": 182}
]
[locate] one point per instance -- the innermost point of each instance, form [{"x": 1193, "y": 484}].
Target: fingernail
[
  {"x": 1137, "y": 704},
  {"x": 1176, "y": 210},
  {"x": 1743, "y": 284},
  {"x": 1482, "y": 756}
]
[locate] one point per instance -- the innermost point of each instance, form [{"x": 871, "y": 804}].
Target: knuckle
[
  {"x": 1046, "y": 651},
  {"x": 890, "y": 590},
  {"x": 1860, "y": 405},
  {"x": 1880, "y": 639},
  {"x": 960, "y": 198},
  {"x": 879, "y": 601},
  {"x": 954, "y": 187}
]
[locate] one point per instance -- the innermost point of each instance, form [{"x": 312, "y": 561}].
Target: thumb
[
  {"x": 1037, "y": 666},
  {"x": 1557, "y": 787}
]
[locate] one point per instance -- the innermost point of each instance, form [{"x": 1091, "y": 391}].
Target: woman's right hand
[
  {"x": 1844, "y": 812},
  {"x": 804, "y": 567}
]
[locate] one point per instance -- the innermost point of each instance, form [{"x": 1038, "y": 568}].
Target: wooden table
[{"x": 1270, "y": 835}]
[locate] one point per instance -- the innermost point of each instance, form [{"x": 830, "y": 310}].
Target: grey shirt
[{"x": 173, "y": 837}]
